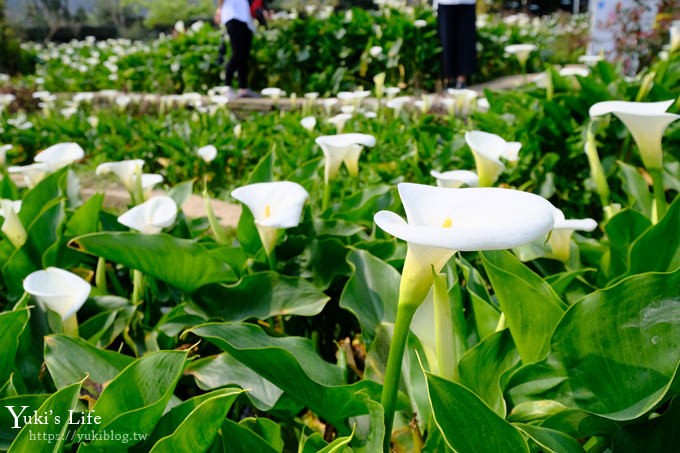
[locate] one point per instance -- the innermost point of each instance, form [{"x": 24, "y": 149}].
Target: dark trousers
[
  {"x": 458, "y": 35},
  {"x": 241, "y": 40}
]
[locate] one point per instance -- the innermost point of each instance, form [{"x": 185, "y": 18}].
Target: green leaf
[
  {"x": 7, "y": 433},
  {"x": 267, "y": 429},
  {"x": 372, "y": 291},
  {"x": 134, "y": 401},
  {"x": 622, "y": 230},
  {"x": 12, "y": 324},
  {"x": 70, "y": 360},
  {"x": 261, "y": 296},
  {"x": 45, "y": 192},
  {"x": 198, "y": 427},
  {"x": 180, "y": 262},
  {"x": 636, "y": 188},
  {"x": 551, "y": 441},
  {"x": 264, "y": 170},
  {"x": 240, "y": 439},
  {"x": 223, "y": 369},
  {"x": 481, "y": 368},
  {"x": 85, "y": 219},
  {"x": 291, "y": 364},
  {"x": 531, "y": 307},
  {"x": 658, "y": 249},
  {"x": 657, "y": 434},
  {"x": 181, "y": 192},
  {"x": 467, "y": 424},
  {"x": 57, "y": 405},
  {"x": 485, "y": 313},
  {"x": 614, "y": 353}
]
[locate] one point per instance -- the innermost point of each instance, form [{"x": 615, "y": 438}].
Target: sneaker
[{"x": 247, "y": 93}]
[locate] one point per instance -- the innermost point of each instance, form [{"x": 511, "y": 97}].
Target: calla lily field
[{"x": 491, "y": 270}]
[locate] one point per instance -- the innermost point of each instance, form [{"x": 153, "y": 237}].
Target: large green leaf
[
  {"x": 223, "y": 369},
  {"x": 614, "y": 353},
  {"x": 198, "y": 427},
  {"x": 551, "y": 441},
  {"x": 45, "y": 192},
  {"x": 261, "y": 296},
  {"x": 636, "y": 188},
  {"x": 54, "y": 432},
  {"x": 659, "y": 434},
  {"x": 481, "y": 368},
  {"x": 12, "y": 324},
  {"x": 134, "y": 400},
  {"x": 371, "y": 292},
  {"x": 291, "y": 364},
  {"x": 467, "y": 424},
  {"x": 180, "y": 262},
  {"x": 622, "y": 230},
  {"x": 7, "y": 432},
  {"x": 532, "y": 308},
  {"x": 658, "y": 249},
  {"x": 70, "y": 360},
  {"x": 239, "y": 439}
]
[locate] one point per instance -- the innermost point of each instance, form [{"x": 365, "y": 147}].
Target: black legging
[
  {"x": 241, "y": 39},
  {"x": 459, "y": 40}
]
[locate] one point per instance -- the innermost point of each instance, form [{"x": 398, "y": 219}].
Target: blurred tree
[
  {"x": 12, "y": 58},
  {"x": 52, "y": 14},
  {"x": 167, "y": 12}
]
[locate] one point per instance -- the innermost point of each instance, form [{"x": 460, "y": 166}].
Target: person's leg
[
  {"x": 243, "y": 67},
  {"x": 240, "y": 37},
  {"x": 445, "y": 21},
  {"x": 466, "y": 40}
]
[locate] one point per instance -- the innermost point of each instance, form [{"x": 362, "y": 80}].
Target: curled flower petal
[
  {"x": 151, "y": 216},
  {"x": 61, "y": 291},
  {"x": 456, "y": 178}
]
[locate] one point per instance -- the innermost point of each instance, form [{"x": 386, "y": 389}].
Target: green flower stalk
[
  {"x": 440, "y": 222},
  {"x": 596, "y": 171}
]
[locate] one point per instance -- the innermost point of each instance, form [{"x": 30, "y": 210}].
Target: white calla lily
[
  {"x": 521, "y": 52},
  {"x": 456, "y": 178},
  {"x": 151, "y": 216},
  {"x": 308, "y": 122},
  {"x": 488, "y": 149},
  {"x": 339, "y": 121},
  {"x": 61, "y": 291},
  {"x": 11, "y": 225},
  {"x": 60, "y": 155},
  {"x": 646, "y": 122},
  {"x": 208, "y": 153},
  {"x": 273, "y": 92},
  {"x": 149, "y": 181},
  {"x": 274, "y": 205},
  {"x": 343, "y": 148},
  {"x": 126, "y": 170},
  {"x": 463, "y": 101},
  {"x": 33, "y": 173},
  {"x": 560, "y": 238}
]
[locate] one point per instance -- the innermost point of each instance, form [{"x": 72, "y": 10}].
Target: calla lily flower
[
  {"x": 151, "y": 216},
  {"x": 126, "y": 170},
  {"x": 590, "y": 60},
  {"x": 487, "y": 150},
  {"x": 560, "y": 238},
  {"x": 208, "y": 153},
  {"x": 149, "y": 180},
  {"x": 521, "y": 52},
  {"x": 11, "y": 225},
  {"x": 339, "y": 121},
  {"x": 343, "y": 148},
  {"x": 463, "y": 101},
  {"x": 274, "y": 205},
  {"x": 273, "y": 93},
  {"x": 443, "y": 220},
  {"x": 646, "y": 122},
  {"x": 391, "y": 92},
  {"x": 456, "y": 178},
  {"x": 61, "y": 291},
  {"x": 674, "y": 32},
  {"x": 33, "y": 173},
  {"x": 60, "y": 155},
  {"x": 308, "y": 122},
  {"x": 3, "y": 154}
]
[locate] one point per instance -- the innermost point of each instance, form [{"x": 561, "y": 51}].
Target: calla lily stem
[
  {"x": 659, "y": 194},
  {"x": 326, "y": 196},
  {"x": 100, "y": 274},
  {"x": 70, "y": 325},
  {"x": 388, "y": 400},
  {"x": 137, "y": 286}
]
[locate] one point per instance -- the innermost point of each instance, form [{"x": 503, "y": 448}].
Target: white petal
[
  {"x": 634, "y": 108},
  {"x": 456, "y": 178},
  {"x": 273, "y": 204},
  {"x": 151, "y": 216},
  {"x": 308, "y": 122},
  {"x": 208, "y": 153},
  {"x": 60, "y": 155},
  {"x": 125, "y": 170},
  {"x": 62, "y": 291},
  {"x": 468, "y": 219}
]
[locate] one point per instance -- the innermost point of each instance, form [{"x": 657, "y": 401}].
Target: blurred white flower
[
  {"x": 208, "y": 153},
  {"x": 126, "y": 170},
  {"x": 32, "y": 174},
  {"x": 456, "y": 178},
  {"x": 151, "y": 216},
  {"x": 488, "y": 149},
  {"x": 308, "y": 122},
  {"x": 375, "y": 51},
  {"x": 60, "y": 155},
  {"x": 12, "y": 227}
]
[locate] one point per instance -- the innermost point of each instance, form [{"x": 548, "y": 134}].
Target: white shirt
[{"x": 239, "y": 10}]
